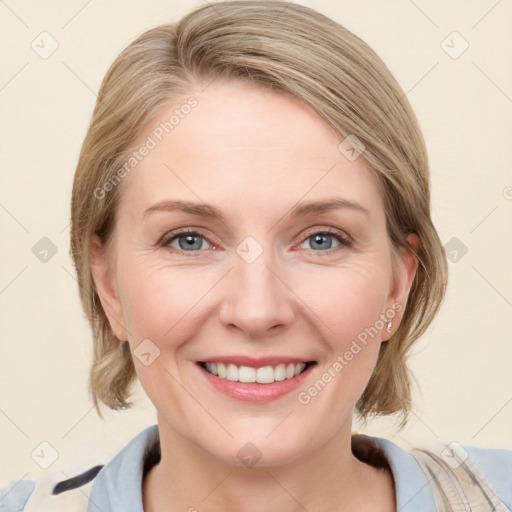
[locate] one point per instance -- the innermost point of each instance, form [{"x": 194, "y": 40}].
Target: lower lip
[{"x": 254, "y": 392}]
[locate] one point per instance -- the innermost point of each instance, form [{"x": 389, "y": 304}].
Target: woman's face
[{"x": 266, "y": 276}]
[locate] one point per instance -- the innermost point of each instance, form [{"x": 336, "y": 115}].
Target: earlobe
[{"x": 105, "y": 286}]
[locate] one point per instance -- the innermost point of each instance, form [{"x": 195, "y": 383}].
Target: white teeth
[
  {"x": 246, "y": 374},
  {"x": 280, "y": 372},
  {"x": 232, "y": 372},
  {"x": 222, "y": 370},
  {"x": 263, "y": 375}
]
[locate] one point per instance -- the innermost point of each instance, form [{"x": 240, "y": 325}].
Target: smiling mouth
[{"x": 261, "y": 375}]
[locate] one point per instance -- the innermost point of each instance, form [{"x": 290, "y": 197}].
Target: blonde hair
[{"x": 294, "y": 50}]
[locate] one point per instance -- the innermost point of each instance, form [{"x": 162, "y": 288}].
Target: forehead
[{"x": 248, "y": 146}]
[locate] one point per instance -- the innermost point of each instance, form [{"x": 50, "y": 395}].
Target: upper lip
[{"x": 255, "y": 362}]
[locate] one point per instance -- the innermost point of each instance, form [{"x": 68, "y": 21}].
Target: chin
[{"x": 258, "y": 451}]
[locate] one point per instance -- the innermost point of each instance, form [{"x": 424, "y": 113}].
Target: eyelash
[{"x": 344, "y": 240}]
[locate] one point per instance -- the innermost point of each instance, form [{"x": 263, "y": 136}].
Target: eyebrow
[{"x": 301, "y": 210}]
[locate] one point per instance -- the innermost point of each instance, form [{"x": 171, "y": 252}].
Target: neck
[{"x": 330, "y": 479}]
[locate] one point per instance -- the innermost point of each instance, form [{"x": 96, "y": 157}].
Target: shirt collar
[
  {"x": 412, "y": 487},
  {"x": 118, "y": 486}
]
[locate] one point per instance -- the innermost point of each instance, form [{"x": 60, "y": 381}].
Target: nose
[{"x": 256, "y": 299}]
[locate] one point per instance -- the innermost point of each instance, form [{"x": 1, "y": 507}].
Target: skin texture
[{"x": 254, "y": 154}]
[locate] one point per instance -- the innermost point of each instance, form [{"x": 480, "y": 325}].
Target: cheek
[
  {"x": 163, "y": 306},
  {"x": 348, "y": 304},
  {"x": 169, "y": 305},
  {"x": 348, "y": 299},
  {"x": 159, "y": 303}
]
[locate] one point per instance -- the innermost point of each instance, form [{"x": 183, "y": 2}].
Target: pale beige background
[{"x": 465, "y": 108}]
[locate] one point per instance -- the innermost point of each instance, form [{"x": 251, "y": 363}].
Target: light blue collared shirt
[{"x": 117, "y": 487}]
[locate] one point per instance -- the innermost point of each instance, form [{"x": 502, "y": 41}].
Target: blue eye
[
  {"x": 190, "y": 241},
  {"x": 322, "y": 240}
]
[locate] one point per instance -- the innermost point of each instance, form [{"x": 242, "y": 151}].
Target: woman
[{"x": 252, "y": 236}]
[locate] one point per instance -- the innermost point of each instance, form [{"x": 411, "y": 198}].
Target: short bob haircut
[{"x": 293, "y": 50}]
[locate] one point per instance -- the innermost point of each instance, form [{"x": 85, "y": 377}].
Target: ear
[
  {"x": 402, "y": 280},
  {"x": 105, "y": 285}
]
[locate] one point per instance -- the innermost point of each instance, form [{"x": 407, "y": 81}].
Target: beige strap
[{"x": 459, "y": 486}]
